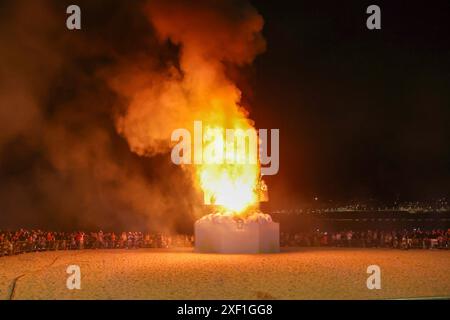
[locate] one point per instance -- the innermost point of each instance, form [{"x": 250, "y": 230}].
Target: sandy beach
[{"x": 300, "y": 273}]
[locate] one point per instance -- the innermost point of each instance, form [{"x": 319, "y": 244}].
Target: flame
[
  {"x": 166, "y": 92},
  {"x": 232, "y": 184}
]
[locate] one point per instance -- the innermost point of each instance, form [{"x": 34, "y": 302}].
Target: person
[
  {"x": 338, "y": 239},
  {"x": 349, "y": 238},
  {"x": 408, "y": 241},
  {"x": 147, "y": 240},
  {"x": 50, "y": 241},
  {"x": 375, "y": 239},
  {"x": 381, "y": 239},
  {"x": 123, "y": 240},
  {"x": 81, "y": 240},
  {"x": 113, "y": 240},
  {"x": 369, "y": 238},
  {"x": 100, "y": 239},
  {"x": 9, "y": 247},
  {"x": 130, "y": 241},
  {"x": 388, "y": 240}
]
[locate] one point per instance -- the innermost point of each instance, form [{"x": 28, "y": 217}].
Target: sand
[{"x": 301, "y": 273}]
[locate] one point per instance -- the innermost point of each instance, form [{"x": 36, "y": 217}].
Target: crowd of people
[
  {"x": 402, "y": 239},
  {"x": 37, "y": 240},
  {"x": 21, "y": 241}
]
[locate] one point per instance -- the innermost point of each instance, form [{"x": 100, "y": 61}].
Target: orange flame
[
  {"x": 194, "y": 85},
  {"x": 232, "y": 184}
]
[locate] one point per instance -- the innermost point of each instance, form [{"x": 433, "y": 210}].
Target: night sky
[{"x": 363, "y": 114}]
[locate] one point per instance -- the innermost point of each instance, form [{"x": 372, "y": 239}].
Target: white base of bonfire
[{"x": 217, "y": 233}]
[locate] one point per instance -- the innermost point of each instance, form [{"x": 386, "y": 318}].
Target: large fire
[
  {"x": 193, "y": 80},
  {"x": 208, "y": 40},
  {"x": 231, "y": 185}
]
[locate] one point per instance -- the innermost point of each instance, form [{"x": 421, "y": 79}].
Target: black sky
[{"x": 363, "y": 114}]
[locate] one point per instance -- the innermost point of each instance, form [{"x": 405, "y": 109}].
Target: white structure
[{"x": 217, "y": 233}]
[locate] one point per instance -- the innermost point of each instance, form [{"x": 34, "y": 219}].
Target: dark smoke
[{"x": 65, "y": 161}]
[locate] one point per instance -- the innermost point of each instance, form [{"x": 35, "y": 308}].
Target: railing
[
  {"x": 364, "y": 243},
  {"x": 18, "y": 247}
]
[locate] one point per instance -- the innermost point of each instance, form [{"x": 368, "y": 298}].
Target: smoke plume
[{"x": 87, "y": 115}]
